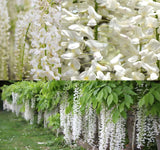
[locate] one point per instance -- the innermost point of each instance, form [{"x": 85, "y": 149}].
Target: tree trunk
[
  {"x": 158, "y": 141},
  {"x": 131, "y": 131}
]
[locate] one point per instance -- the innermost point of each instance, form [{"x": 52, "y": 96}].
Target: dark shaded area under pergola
[{"x": 2, "y": 83}]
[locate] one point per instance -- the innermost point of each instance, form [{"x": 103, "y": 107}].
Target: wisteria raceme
[
  {"x": 103, "y": 135},
  {"x": 29, "y": 112},
  {"x": 67, "y": 128},
  {"x": 66, "y": 120},
  {"x": 77, "y": 116},
  {"x": 151, "y": 134},
  {"x": 106, "y": 130},
  {"x": 33, "y": 103},
  {"x": 40, "y": 117},
  {"x": 156, "y": 125},
  {"x": 111, "y": 135},
  {"x": 15, "y": 107},
  {"x": 89, "y": 125},
  {"x": 37, "y": 42},
  {"x": 141, "y": 128},
  {"x": 120, "y": 134},
  {"x": 147, "y": 128},
  {"x": 45, "y": 38},
  {"x": 7, "y": 106},
  {"x": 4, "y": 40}
]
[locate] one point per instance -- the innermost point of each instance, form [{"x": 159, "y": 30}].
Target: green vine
[
  {"x": 23, "y": 52},
  {"x": 96, "y": 27}
]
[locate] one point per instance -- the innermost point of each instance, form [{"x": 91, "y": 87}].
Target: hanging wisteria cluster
[
  {"x": 147, "y": 128},
  {"x": 81, "y": 119},
  {"x": 14, "y": 107},
  {"x": 84, "y": 40},
  {"x": 89, "y": 126},
  {"x": 111, "y": 135},
  {"x": 37, "y": 42},
  {"x": 66, "y": 120}
]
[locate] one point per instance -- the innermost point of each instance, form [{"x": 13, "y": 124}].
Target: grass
[{"x": 17, "y": 134}]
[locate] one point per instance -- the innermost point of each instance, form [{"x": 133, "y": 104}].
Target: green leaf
[
  {"x": 156, "y": 95},
  {"x": 116, "y": 116},
  {"x": 121, "y": 107},
  {"x": 109, "y": 90},
  {"x": 100, "y": 95},
  {"x": 153, "y": 110},
  {"x": 95, "y": 104},
  {"x": 124, "y": 114},
  {"x": 129, "y": 91},
  {"x": 105, "y": 92},
  {"x": 98, "y": 108},
  {"x": 115, "y": 98},
  {"x": 118, "y": 90},
  {"x": 128, "y": 100},
  {"x": 110, "y": 100},
  {"x": 68, "y": 109},
  {"x": 150, "y": 98},
  {"x": 141, "y": 102},
  {"x": 96, "y": 91}
]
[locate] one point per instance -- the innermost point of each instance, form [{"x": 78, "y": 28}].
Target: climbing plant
[{"x": 81, "y": 109}]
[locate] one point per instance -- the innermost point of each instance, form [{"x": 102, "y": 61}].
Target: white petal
[
  {"x": 93, "y": 13},
  {"x": 92, "y": 22},
  {"x": 83, "y": 29},
  {"x": 68, "y": 56},
  {"x": 151, "y": 22},
  {"x": 74, "y": 45},
  {"x": 138, "y": 76},
  {"x": 48, "y": 23},
  {"x": 100, "y": 75},
  {"x": 124, "y": 10},
  {"x": 154, "y": 45},
  {"x": 115, "y": 25},
  {"x": 133, "y": 59},
  {"x": 153, "y": 76},
  {"x": 150, "y": 68},
  {"x": 135, "y": 41},
  {"x": 116, "y": 59},
  {"x": 97, "y": 56},
  {"x": 74, "y": 64},
  {"x": 119, "y": 68},
  {"x": 76, "y": 27},
  {"x": 158, "y": 56},
  {"x": 96, "y": 44}
]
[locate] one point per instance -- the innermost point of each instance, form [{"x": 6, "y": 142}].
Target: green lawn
[{"x": 17, "y": 134}]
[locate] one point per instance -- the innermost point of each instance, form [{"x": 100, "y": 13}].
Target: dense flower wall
[
  {"x": 4, "y": 40},
  {"x": 84, "y": 40},
  {"x": 100, "y": 117}
]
